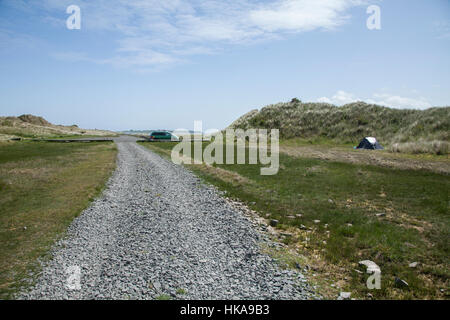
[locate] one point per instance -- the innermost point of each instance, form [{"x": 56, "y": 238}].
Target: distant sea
[{"x": 147, "y": 132}]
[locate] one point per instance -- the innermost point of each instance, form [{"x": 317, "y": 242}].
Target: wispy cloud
[
  {"x": 396, "y": 101},
  {"x": 384, "y": 99},
  {"x": 442, "y": 29},
  {"x": 152, "y": 32},
  {"x": 10, "y": 40}
]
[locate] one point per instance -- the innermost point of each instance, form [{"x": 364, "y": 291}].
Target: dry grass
[
  {"x": 425, "y": 161},
  {"x": 433, "y": 147},
  {"x": 28, "y": 126},
  {"x": 43, "y": 187}
]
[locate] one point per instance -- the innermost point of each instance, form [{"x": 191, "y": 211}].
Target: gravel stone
[{"x": 155, "y": 229}]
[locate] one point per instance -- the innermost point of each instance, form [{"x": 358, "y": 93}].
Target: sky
[{"x": 149, "y": 64}]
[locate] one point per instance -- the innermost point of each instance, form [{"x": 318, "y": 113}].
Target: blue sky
[{"x": 163, "y": 64}]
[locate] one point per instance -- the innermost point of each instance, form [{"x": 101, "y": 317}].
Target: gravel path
[{"x": 157, "y": 229}]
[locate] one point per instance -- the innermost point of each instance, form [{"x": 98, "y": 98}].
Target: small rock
[
  {"x": 413, "y": 264},
  {"x": 291, "y": 217},
  {"x": 349, "y": 225},
  {"x": 316, "y": 221},
  {"x": 401, "y": 283},
  {"x": 344, "y": 295},
  {"x": 303, "y": 227},
  {"x": 157, "y": 286},
  {"x": 25, "y": 228},
  {"x": 299, "y": 215},
  {"x": 274, "y": 222},
  {"x": 381, "y": 214},
  {"x": 330, "y": 201}
]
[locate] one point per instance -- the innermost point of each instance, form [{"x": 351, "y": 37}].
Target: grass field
[
  {"x": 334, "y": 214},
  {"x": 326, "y": 149},
  {"x": 43, "y": 187}
]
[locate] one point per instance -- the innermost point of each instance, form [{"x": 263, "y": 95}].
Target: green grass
[
  {"x": 314, "y": 141},
  {"x": 22, "y": 151},
  {"x": 43, "y": 186},
  {"x": 181, "y": 291},
  {"x": 416, "y": 226},
  {"x": 77, "y": 136}
]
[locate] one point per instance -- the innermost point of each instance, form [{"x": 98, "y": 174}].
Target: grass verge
[
  {"x": 43, "y": 187},
  {"x": 335, "y": 214}
]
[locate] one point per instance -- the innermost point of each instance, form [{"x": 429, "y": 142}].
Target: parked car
[{"x": 163, "y": 136}]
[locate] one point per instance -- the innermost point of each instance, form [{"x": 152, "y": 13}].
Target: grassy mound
[
  {"x": 30, "y": 126},
  {"x": 351, "y": 122}
]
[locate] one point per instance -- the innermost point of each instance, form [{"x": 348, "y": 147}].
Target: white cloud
[
  {"x": 154, "y": 31},
  {"x": 340, "y": 98},
  {"x": 301, "y": 15},
  {"x": 384, "y": 99},
  {"x": 399, "y": 102}
]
